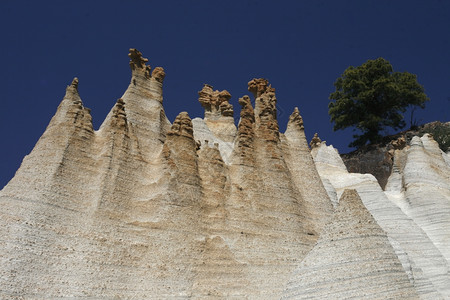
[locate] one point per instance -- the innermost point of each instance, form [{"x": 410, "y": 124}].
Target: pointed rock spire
[
  {"x": 144, "y": 83},
  {"x": 245, "y": 130},
  {"x": 265, "y": 102},
  {"x": 71, "y": 110},
  {"x": 180, "y": 152},
  {"x": 182, "y": 126},
  {"x": 72, "y": 91},
  {"x": 158, "y": 74},
  {"x": 296, "y": 120},
  {"x": 74, "y": 83},
  {"x": 144, "y": 111},
  {"x": 315, "y": 141},
  {"x": 265, "y": 109},
  {"x": 119, "y": 116},
  {"x": 300, "y": 163},
  {"x": 218, "y": 113},
  {"x": 140, "y": 69},
  {"x": 258, "y": 86},
  {"x": 138, "y": 63},
  {"x": 70, "y": 128},
  {"x": 216, "y": 103}
]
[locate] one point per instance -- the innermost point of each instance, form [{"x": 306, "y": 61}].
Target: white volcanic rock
[
  {"x": 145, "y": 209},
  {"x": 352, "y": 259},
  {"x": 202, "y": 133},
  {"x": 425, "y": 264},
  {"x": 303, "y": 171},
  {"x": 143, "y": 104},
  {"x": 139, "y": 210},
  {"x": 420, "y": 185}
]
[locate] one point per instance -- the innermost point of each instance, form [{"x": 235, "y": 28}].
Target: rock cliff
[
  {"x": 409, "y": 211},
  {"x": 202, "y": 208}
]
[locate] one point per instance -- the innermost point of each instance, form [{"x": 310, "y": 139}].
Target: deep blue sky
[{"x": 300, "y": 46}]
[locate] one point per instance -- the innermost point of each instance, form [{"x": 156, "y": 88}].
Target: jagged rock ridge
[
  {"x": 143, "y": 208},
  {"x": 146, "y": 208}
]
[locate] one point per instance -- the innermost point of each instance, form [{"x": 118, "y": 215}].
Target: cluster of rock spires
[{"x": 143, "y": 208}]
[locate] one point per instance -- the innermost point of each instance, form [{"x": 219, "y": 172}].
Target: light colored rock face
[
  {"x": 352, "y": 259},
  {"x": 139, "y": 209},
  {"x": 421, "y": 257},
  {"x": 146, "y": 209},
  {"x": 420, "y": 185},
  {"x": 303, "y": 171},
  {"x": 204, "y": 136}
]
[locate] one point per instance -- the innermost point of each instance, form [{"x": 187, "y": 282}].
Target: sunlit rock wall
[
  {"x": 148, "y": 209},
  {"x": 206, "y": 208},
  {"x": 422, "y": 254}
]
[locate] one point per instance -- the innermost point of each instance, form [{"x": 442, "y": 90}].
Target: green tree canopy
[{"x": 372, "y": 97}]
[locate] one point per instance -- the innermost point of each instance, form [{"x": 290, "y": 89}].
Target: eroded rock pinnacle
[{"x": 216, "y": 103}]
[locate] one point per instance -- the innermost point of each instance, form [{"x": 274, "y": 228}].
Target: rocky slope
[
  {"x": 413, "y": 211},
  {"x": 353, "y": 258},
  {"x": 146, "y": 209}
]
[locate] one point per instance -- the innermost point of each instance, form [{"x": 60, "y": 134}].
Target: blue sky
[{"x": 301, "y": 47}]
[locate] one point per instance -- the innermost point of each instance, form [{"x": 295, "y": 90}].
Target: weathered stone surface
[
  {"x": 216, "y": 103},
  {"x": 422, "y": 260},
  {"x": 304, "y": 173},
  {"x": 202, "y": 133},
  {"x": 352, "y": 259},
  {"x": 246, "y": 132},
  {"x": 142, "y": 208},
  {"x": 218, "y": 113},
  {"x": 265, "y": 109},
  {"x": 143, "y": 104},
  {"x": 420, "y": 185},
  {"x": 315, "y": 141},
  {"x": 69, "y": 132}
]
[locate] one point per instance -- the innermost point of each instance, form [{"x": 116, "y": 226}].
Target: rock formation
[
  {"x": 420, "y": 186},
  {"x": 142, "y": 208},
  {"x": 378, "y": 159},
  {"x": 422, "y": 253},
  {"x": 215, "y": 103},
  {"x": 352, "y": 259},
  {"x": 315, "y": 141},
  {"x": 218, "y": 125}
]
